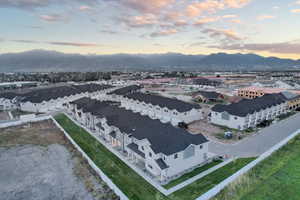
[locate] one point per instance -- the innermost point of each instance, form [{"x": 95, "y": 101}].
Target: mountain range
[{"x": 53, "y": 61}]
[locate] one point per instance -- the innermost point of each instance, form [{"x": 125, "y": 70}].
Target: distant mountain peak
[{"x": 44, "y": 61}]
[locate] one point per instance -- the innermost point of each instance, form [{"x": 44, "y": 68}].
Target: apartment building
[{"x": 165, "y": 109}]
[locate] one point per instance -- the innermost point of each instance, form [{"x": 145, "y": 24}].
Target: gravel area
[
  {"x": 39, "y": 173},
  {"x": 38, "y": 163}
]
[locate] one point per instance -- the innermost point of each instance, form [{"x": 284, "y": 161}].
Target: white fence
[
  {"x": 23, "y": 121},
  {"x": 92, "y": 164},
  {"x": 214, "y": 191}
]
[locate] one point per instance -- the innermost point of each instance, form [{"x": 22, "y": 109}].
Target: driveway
[{"x": 260, "y": 142}]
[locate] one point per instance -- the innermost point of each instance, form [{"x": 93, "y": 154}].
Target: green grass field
[
  {"x": 134, "y": 186},
  {"x": 191, "y": 174},
  {"x": 276, "y": 178},
  {"x": 201, "y": 186}
]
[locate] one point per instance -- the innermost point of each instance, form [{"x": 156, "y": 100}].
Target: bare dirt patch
[
  {"x": 37, "y": 162},
  {"x": 215, "y": 133}
]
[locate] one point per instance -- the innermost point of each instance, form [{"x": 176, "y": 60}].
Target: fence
[
  {"x": 24, "y": 121},
  {"x": 92, "y": 164}
]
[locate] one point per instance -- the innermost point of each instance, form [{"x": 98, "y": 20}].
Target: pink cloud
[
  {"x": 74, "y": 44},
  {"x": 235, "y": 21},
  {"x": 142, "y": 20},
  {"x": 164, "y": 33},
  {"x": 222, "y": 33},
  {"x": 295, "y": 11},
  {"x": 150, "y": 6},
  {"x": 85, "y": 8},
  {"x": 211, "y": 6},
  {"x": 283, "y": 47},
  {"x": 263, "y": 17},
  {"x": 180, "y": 22},
  {"x": 229, "y": 16},
  {"x": 52, "y": 17},
  {"x": 206, "y": 20}
]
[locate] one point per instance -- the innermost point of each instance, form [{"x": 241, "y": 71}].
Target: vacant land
[
  {"x": 37, "y": 162},
  {"x": 276, "y": 178},
  {"x": 216, "y": 133},
  {"x": 134, "y": 186}
]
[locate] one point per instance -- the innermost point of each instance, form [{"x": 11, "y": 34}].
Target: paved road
[{"x": 260, "y": 142}]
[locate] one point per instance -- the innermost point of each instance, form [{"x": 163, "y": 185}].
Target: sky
[{"x": 264, "y": 27}]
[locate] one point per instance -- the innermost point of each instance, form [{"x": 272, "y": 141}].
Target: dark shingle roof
[
  {"x": 208, "y": 95},
  {"x": 126, "y": 90},
  {"x": 162, "y": 165},
  {"x": 164, "y": 138},
  {"x": 46, "y": 94},
  {"x": 113, "y": 134},
  {"x": 172, "y": 104},
  {"x": 289, "y": 95},
  {"x": 249, "y": 106},
  {"x": 9, "y": 95},
  {"x": 134, "y": 147},
  {"x": 205, "y": 81}
]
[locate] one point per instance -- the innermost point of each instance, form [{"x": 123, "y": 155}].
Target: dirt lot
[
  {"x": 215, "y": 133},
  {"x": 37, "y": 162}
]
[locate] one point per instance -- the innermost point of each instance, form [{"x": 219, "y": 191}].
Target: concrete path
[{"x": 260, "y": 142}]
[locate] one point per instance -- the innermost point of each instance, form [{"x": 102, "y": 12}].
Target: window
[
  {"x": 164, "y": 157},
  {"x": 143, "y": 148},
  {"x": 150, "y": 166},
  {"x": 201, "y": 147},
  {"x": 189, "y": 152},
  {"x": 235, "y": 118},
  {"x": 225, "y": 116},
  {"x": 150, "y": 154},
  {"x": 176, "y": 156}
]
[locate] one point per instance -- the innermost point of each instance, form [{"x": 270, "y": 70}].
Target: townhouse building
[
  {"x": 208, "y": 96},
  {"x": 49, "y": 99},
  {"x": 8, "y": 101},
  {"x": 293, "y": 100},
  {"x": 162, "y": 150},
  {"x": 165, "y": 109},
  {"x": 117, "y": 95},
  {"x": 249, "y": 113}
]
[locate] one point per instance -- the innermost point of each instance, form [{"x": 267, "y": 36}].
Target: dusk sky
[{"x": 264, "y": 27}]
